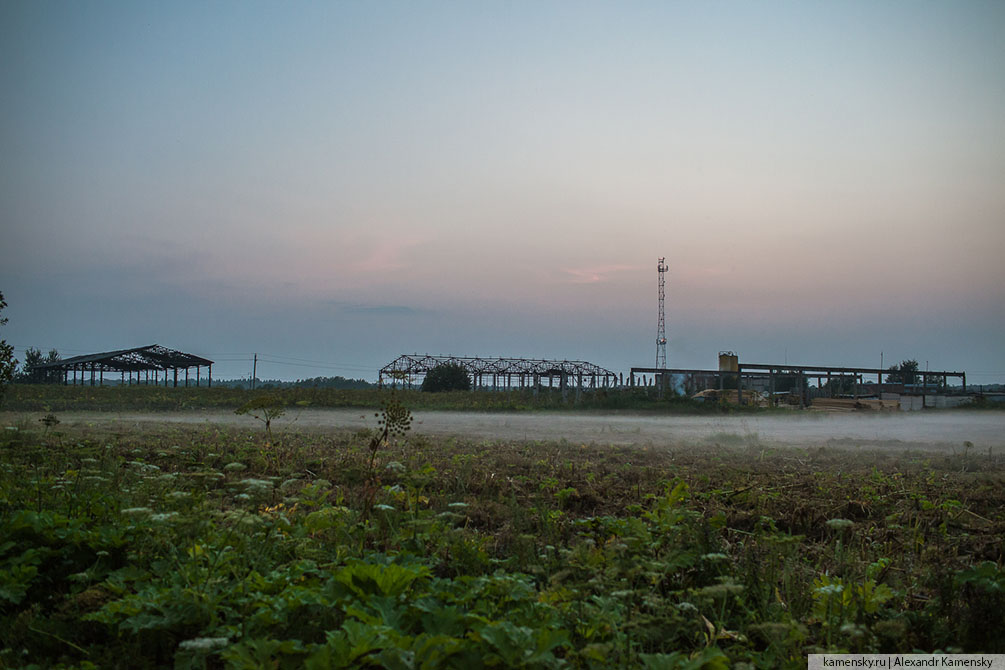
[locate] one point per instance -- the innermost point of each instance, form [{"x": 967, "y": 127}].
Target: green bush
[{"x": 447, "y": 377}]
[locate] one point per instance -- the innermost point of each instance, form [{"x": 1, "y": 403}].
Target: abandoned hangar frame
[
  {"x": 139, "y": 361},
  {"x": 742, "y": 374},
  {"x": 407, "y": 368}
]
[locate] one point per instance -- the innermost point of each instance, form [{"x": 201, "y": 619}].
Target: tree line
[{"x": 335, "y": 382}]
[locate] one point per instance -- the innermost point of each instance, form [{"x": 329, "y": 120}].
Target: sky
[{"x": 330, "y": 185}]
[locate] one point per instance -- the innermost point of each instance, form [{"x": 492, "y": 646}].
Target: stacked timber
[
  {"x": 729, "y": 396},
  {"x": 854, "y": 405}
]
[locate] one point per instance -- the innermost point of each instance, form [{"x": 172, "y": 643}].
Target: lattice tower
[{"x": 661, "y": 333}]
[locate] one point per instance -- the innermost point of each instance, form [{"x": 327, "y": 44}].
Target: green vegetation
[
  {"x": 8, "y": 364},
  {"x": 29, "y": 375},
  {"x": 264, "y": 407},
  {"x": 336, "y": 382},
  {"x": 906, "y": 372},
  {"x": 203, "y": 547},
  {"x": 447, "y": 377}
]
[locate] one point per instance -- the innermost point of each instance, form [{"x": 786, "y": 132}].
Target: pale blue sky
[{"x": 345, "y": 182}]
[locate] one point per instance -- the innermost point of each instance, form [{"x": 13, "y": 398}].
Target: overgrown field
[
  {"x": 198, "y": 547},
  {"x": 59, "y": 398}
]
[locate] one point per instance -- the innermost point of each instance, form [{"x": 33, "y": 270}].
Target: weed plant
[{"x": 204, "y": 547}]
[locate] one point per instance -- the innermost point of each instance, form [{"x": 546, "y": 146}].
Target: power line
[
  {"x": 263, "y": 359},
  {"x": 307, "y": 360}
]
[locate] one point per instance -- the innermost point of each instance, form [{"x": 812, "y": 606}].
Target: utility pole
[{"x": 254, "y": 372}]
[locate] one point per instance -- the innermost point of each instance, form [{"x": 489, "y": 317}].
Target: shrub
[{"x": 447, "y": 377}]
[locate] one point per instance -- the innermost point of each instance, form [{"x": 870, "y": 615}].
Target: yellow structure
[{"x": 728, "y": 361}]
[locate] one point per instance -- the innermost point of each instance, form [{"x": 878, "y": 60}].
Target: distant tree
[
  {"x": 906, "y": 372},
  {"x": 447, "y": 377},
  {"x": 31, "y": 375},
  {"x": 53, "y": 374},
  {"x": 28, "y": 374},
  {"x": 313, "y": 382},
  {"x": 8, "y": 364}
]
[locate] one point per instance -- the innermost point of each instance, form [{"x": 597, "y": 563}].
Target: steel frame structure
[
  {"x": 142, "y": 361},
  {"x": 661, "y": 332},
  {"x": 749, "y": 371},
  {"x": 408, "y": 368}
]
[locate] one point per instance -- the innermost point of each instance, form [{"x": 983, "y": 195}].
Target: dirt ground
[{"x": 944, "y": 431}]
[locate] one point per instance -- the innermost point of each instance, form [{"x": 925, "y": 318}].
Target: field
[
  {"x": 35, "y": 397},
  {"x": 150, "y": 543},
  {"x": 940, "y": 431}
]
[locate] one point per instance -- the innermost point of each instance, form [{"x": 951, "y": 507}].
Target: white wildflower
[
  {"x": 203, "y": 644},
  {"x": 830, "y": 589},
  {"x": 257, "y": 485}
]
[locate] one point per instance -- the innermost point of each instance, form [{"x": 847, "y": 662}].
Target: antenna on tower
[{"x": 661, "y": 332}]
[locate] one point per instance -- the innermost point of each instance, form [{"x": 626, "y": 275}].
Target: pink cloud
[
  {"x": 595, "y": 274},
  {"x": 374, "y": 252}
]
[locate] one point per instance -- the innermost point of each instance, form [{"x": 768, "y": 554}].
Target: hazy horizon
[{"x": 333, "y": 185}]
